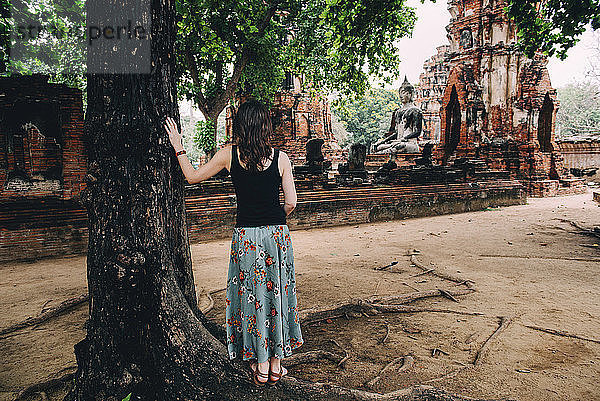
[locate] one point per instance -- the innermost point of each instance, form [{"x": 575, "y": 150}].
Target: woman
[{"x": 261, "y": 310}]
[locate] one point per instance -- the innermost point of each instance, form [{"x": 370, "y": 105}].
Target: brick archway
[
  {"x": 453, "y": 124},
  {"x": 544, "y": 129}
]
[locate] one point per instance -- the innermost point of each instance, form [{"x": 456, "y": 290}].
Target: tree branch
[
  {"x": 200, "y": 99},
  {"x": 241, "y": 62}
]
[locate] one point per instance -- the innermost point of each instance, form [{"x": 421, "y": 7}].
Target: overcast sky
[{"x": 430, "y": 32}]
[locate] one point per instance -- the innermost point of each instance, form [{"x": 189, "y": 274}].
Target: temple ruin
[
  {"x": 487, "y": 140},
  {"x": 298, "y": 116},
  {"x": 42, "y": 169},
  {"x": 498, "y": 105}
]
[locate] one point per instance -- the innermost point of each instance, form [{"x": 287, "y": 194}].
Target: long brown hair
[{"x": 252, "y": 130}]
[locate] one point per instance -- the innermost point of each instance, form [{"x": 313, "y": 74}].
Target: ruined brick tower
[
  {"x": 298, "y": 117},
  {"x": 498, "y": 104},
  {"x": 430, "y": 91}
]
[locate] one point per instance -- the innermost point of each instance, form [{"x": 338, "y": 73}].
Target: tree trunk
[
  {"x": 211, "y": 152},
  {"x": 145, "y": 333},
  {"x": 144, "y": 319}
]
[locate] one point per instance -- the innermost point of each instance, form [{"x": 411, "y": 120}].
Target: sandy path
[{"x": 526, "y": 262}]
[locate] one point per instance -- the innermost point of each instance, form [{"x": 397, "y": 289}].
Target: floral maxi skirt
[{"x": 261, "y": 310}]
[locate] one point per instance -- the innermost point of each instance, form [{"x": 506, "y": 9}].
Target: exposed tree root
[
  {"x": 436, "y": 351},
  {"x": 44, "y": 306},
  {"x": 373, "y": 305},
  {"x": 561, "y": 333},
  {"x": 541, "y": 257},
  {"x": 386, "y": 266},
  {"x": 387, "y": 333},
  {"x": 481, "y": 353},
  {"x": 307, "y": 390},
  {"x": 423, "y": 273},
  {"x": 49, "y": 384},
  {"x": 447, "y": 375},
  {"x": 352, "y": 308},
  {"x": 413, "y": 296},
  {"x": 442, "y": 275},
  {"x": 582, "y": 230},
  {"x": 48, "y": 314},
  {"x": 211, "y": 303},
  {"x": 417, "y": 309},
  {"x": 505, "y": 321},
  {"x": 312, "y": 356},
  {"x": 447, "y": 295},
  {"x": 311, "y": 315},
  {"x": 320, "y": 391},
  {"x": 407, "y": 363},
  {"x": 342, "y": 363},
  {"x": 316, "y": 391},
  {"x": 70, "y": 303}
]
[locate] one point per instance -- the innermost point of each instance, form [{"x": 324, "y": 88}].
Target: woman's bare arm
[
  {"x": 218, "y": 162},
  {"x": 287, "y": 183}
]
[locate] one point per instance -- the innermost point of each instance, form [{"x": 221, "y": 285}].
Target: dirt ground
[{"x": 528, "y": 263}]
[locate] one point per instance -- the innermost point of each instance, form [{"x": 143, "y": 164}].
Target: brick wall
[
  {"x": 299, "y": 117},
  {"x": 580, "y": 154},
  {"x": 41, "y": 139},
  {"x": 430, "y": 90},
  {"x": 213, "y": 217},
  {"x": 35, "y": 229}
]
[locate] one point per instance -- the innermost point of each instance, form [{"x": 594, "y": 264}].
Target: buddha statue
[{"x": 406, "y": 125}]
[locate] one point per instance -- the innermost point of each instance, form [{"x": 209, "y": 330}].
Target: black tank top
[{"x": 257, "y": 193}]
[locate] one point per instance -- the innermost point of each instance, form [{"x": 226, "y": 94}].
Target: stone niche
[
  {"x": 32, "y": 146},
  {"x": 466, "y": 39},
  {"x": 41, "y": 145}
]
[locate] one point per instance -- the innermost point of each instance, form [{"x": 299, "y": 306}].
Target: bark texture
[{"x": 145, "y": 334}]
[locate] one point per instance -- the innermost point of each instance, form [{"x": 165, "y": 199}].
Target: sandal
[
  {"x": 256, "y": 373},
  {"x": 277, "y": 375}
]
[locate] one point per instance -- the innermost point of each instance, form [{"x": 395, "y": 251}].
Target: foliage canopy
[
  {"x": 57, "y": 49},
  {"x": 248, "y": 46},
  {"x": 579, "y": 112},
  {"x": 552, "y": 26}
]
